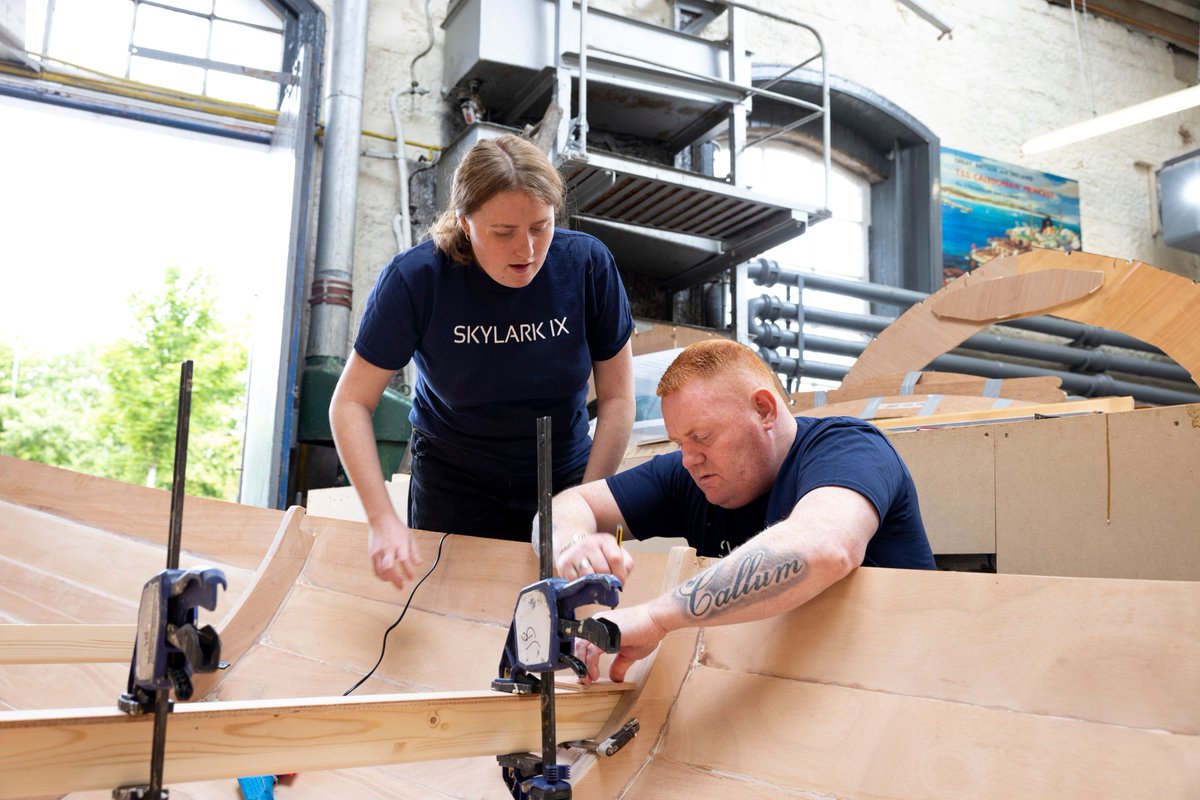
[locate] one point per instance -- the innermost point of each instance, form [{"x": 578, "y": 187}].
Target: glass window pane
[
  {"x": 255, "y": 12},
  {"x": 172, "y": 31},
  {"x": 199, "y": 6},
  {"x": 247, "y": 47},
  {"x": 35, "y": 25},
  {"x": 243, "y": 89},
  {"x": 92, "y": 33},
  {"x": 167, "y": 75}
]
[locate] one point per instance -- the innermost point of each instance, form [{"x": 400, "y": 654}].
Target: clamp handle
[{"x": 170, "y": 647}]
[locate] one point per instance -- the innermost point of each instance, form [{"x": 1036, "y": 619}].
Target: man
[{"x": 793, "y": 504}]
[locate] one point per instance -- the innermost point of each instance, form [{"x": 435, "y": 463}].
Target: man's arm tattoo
[{"x": 749, "y": 578}]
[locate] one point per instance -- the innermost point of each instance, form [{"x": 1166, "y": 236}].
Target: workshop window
[
  {"x": 223, "y": 49},
  {"x": 836, "y": 247}
]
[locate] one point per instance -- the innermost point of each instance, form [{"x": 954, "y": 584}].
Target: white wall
[{"x": 1009, "y": 72}]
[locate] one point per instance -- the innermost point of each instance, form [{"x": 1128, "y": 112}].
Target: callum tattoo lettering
[{"x": 750, "y": 577}]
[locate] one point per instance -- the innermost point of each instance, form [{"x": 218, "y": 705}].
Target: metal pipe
[
  {"x": 766, "y": 272},
  {"x": 583, "y": 48},
  {"x": 1087, "y": 359},
  {"x": 329, "y": 324},
  {"x": 1083, "y": 385},
  {"x": 402, "y": 222}
]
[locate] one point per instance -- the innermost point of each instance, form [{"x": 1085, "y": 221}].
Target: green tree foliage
[
  {"x": 113, "y": 413},
  {"x": 48, "y": 408},
  {"x": 176, "y": 325}
]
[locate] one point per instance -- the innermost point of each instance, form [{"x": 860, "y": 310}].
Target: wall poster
[{"x": 990, "y": 208}]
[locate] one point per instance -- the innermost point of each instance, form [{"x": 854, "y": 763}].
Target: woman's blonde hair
[{"x": 492, "y": 166}]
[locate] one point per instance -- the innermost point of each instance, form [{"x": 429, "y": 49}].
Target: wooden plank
[
  {"x": 1039, "y": 389},
  {"x": 238, "y": 534},
  {"x": 66, "y": 644},
  {"x": 846, "y": 742},
  {"x": 53, "y": 752},
  {"x": 1098, "y": 405},
  {"x": 954, "y": 470},
  {"x": 1116, "y": 652},
  {"x": 341, "y": 502},
  {"x": 1017, "y": 295},
  {"x": 913, "y": 406},
  {"x": 651, "y": 337}
]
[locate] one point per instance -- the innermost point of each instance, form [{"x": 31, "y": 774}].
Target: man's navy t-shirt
[
  {"x": 492, "y": 359},
  {"x": 659, "y": 498}
]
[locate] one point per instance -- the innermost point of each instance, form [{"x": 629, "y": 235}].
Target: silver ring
[{"x": 585, "y": 567}]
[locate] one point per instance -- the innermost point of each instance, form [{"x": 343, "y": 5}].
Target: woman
[{"x": 506, "y": 316}]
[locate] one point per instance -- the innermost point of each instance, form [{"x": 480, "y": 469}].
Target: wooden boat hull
[{"x": 893, "y": 684}]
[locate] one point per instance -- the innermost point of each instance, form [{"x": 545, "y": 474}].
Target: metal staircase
[{"x": 640, "y": 106}]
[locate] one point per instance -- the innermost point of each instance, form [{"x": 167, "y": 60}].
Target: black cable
[{"x": 383, "y": 648}]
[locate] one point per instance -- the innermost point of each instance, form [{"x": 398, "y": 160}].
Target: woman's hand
[{"x": 394, "y": 552}]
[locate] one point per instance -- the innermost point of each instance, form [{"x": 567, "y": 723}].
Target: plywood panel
[
  {"x": 268, "y": 672},
  {"x": 1070, "y": 501},
  {"x": 80, "y": 554},
  {"x": 664, "y": 779},
  {"x": 954, "y": 471},
  {"x": 1154, "y": 495},
  {"x": 239, "y": 535},
  {"x": 658, "y": 679},
  {"x": 424, "y": 650},
  {"x": 29, "y": 686},
  {"x": 854, "y": 743},
  {"x": 340, "y": 563},
  {"x": 1119, "y": 652},
  {"x": 30, "y": 594}
]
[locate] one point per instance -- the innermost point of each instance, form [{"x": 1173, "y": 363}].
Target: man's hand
[
  {"x": 593, "y": 553},
  {"x": 640, "y": 634},
  {"x": 394, "y": 552}
]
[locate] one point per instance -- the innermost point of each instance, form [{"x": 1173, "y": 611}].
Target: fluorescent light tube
[{"x": 1115, "y": 120}]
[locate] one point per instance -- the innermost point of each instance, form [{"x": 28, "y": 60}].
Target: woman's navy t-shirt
[{"x": 492, "y": 359}]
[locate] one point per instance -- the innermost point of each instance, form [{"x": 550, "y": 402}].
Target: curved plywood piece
[
  {"x": 1145, "y": 302},
  {"x": 245, "y": 623},
  {"x": 892, "y": 685},
  {"x": 1017, "y": 295}
]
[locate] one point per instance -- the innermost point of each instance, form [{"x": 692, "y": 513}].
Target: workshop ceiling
[{"x": 1176, "y": 22}]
